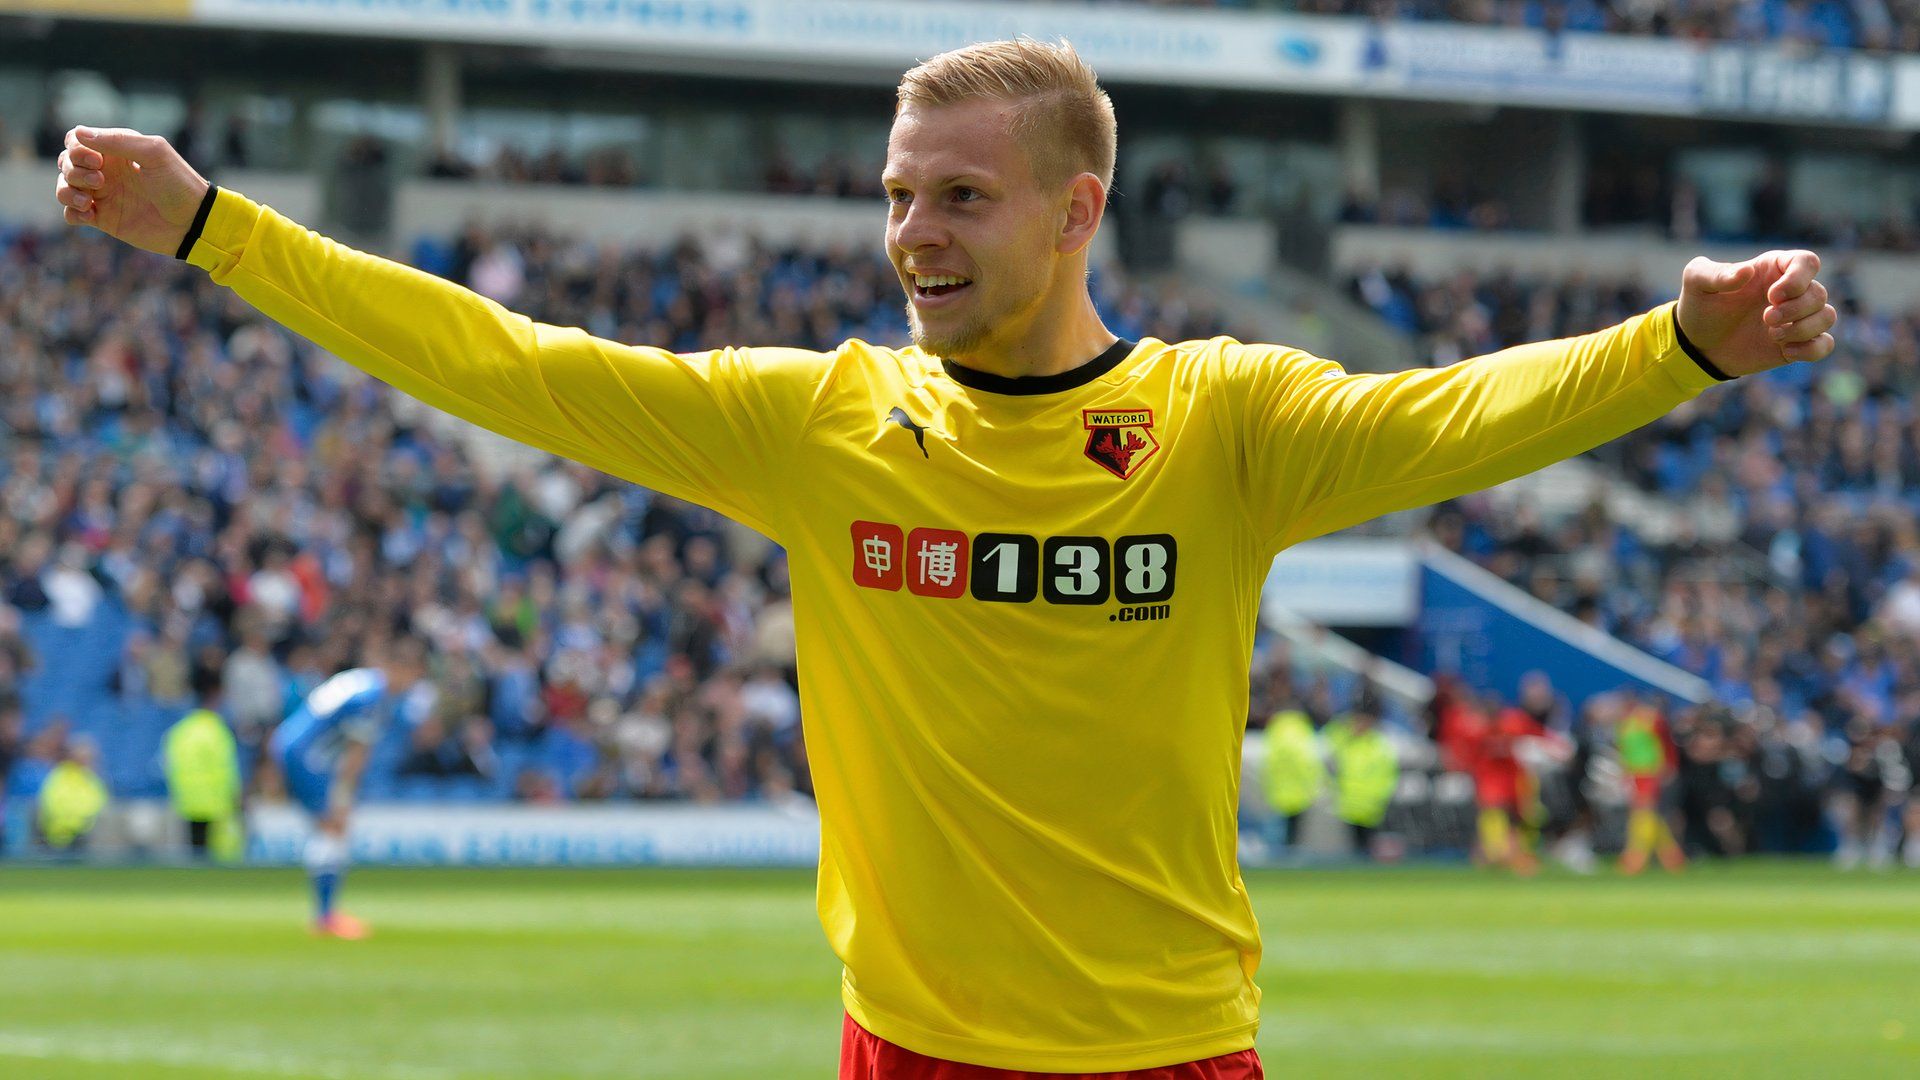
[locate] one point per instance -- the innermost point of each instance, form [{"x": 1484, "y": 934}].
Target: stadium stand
[
  {"x": 189, "y": 484},
  {"x": 1788, "y": 573},
  {"x": 629, "y": 646},
  {"x": 601, "y": 642},
  {"x": 632, "y": 645},
  {"x": 1885, "y": 25}
]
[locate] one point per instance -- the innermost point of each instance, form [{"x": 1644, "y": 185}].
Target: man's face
[{"x": 963, "y": 203}]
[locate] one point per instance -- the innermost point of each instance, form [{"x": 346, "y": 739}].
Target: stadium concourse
[
  {"x": 183, "y": 482},
  {"x": 1638, "y": 196}
]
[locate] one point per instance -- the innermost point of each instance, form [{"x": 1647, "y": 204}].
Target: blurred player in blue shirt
[{"x": 323, "y": 749}]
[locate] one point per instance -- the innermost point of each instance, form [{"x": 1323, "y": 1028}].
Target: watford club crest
[{"x": 1120, "y": 440}]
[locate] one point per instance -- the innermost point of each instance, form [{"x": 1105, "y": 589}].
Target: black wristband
[
  {"x": 199, "y": 222},
  {"x": 1693, "y": 351}
]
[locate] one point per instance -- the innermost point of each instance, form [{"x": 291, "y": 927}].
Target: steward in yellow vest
[
  {"x": 1365, "y": 771},
  {"x": 203, "y": 771},
  {"x": 72, "y": 798},
  {"x": 1295, "y": 773}
]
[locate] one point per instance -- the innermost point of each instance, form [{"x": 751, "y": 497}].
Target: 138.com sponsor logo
[{"x": 1016, "y": 568}]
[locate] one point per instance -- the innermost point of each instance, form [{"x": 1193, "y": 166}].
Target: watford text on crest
[{"x": 1120, "y": 440}]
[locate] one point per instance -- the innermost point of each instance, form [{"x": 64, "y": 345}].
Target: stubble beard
[{"x": 954, "y": 344}]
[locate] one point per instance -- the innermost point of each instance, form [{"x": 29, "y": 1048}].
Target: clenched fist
[
  {"x": 133, "y": 187},
  {"x": 1757, "y": 315}
]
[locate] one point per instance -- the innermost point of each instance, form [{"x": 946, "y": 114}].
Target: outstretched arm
[
  {"x": 716, "y": 428},
  {"x": 1322, "y": 449}
]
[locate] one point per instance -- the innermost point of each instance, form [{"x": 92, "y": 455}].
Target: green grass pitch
[{"x": 1752, "y": 970}]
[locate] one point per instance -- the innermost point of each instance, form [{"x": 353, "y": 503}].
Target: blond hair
[{"x": 1061, "y": 115}]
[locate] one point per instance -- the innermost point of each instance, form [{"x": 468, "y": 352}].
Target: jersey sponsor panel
[{"x": 1000, "y": 567}]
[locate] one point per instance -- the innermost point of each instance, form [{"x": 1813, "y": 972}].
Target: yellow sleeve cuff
[
  {"x": 1683, "y": 369},
  {"x": 224, "y": 237}
]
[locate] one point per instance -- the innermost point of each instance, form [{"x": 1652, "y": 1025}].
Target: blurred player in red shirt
[
  {"x": 1464, "y": 728},
  {"x": 1495, "y": 749}
]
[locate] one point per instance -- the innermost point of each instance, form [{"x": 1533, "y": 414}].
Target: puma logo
[{"x": 899, "y": 416}]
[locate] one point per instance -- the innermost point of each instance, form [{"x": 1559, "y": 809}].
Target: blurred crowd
[
  {"x": 184, "y": 486},
  {"x": 1884, "y": 25}
]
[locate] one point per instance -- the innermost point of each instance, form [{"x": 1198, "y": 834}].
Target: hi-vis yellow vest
[
  {"x": 203, "y": 769},
  {"x": 1295, "y": 774}
]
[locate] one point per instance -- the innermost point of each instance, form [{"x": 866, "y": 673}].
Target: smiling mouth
[{"x": 932, "y": 287}]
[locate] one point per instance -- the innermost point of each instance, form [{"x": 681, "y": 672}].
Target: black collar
[{"x": 1041, "y": 384}]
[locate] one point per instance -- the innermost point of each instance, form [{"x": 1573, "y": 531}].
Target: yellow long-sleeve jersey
[{"x": 1024, "y": 607}]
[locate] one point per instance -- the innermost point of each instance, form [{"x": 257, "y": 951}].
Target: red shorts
[
  {"x": 866, "y": 1056},
  {"x": 1646, "y": 792}
]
